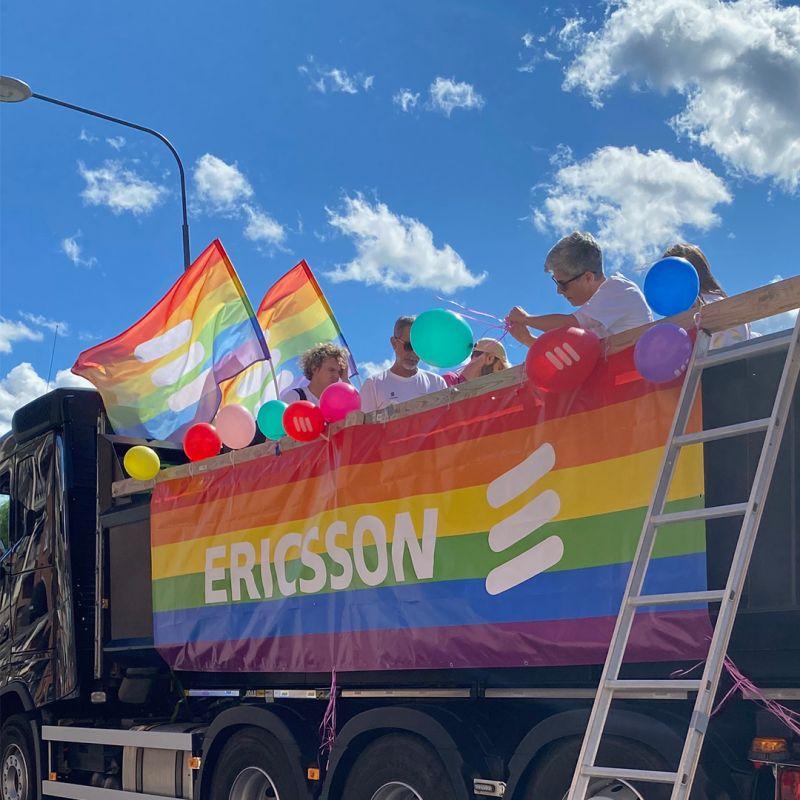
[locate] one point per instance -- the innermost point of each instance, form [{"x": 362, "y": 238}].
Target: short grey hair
[
  {"x": 575, "y": 254},
  {"x": 401, "y": 324}
]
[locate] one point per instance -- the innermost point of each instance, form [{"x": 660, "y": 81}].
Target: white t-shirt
[
  {"x": 292, "y": 396},
  {"x": 617, "y": 305},
  {"x": 385, "y": 388},
  {"x": 741, "y": 333}
]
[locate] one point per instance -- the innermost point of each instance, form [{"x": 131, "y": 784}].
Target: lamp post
[{"x": 13, "y": 90}]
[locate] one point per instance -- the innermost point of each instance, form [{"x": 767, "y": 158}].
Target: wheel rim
[
  {"x": 396, "y": 791},
  {"x": 253, "y": 784},
  {"x": 15, "y": 774},
  {"x": 604, "y": 789}
]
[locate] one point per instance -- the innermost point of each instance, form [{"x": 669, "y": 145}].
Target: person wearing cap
[{"x": 488, "y": 356}]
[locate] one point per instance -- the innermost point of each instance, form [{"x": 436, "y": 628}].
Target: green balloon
[
  {"x": 270, "y": 419},
  {"x": 441, "y": 338}
]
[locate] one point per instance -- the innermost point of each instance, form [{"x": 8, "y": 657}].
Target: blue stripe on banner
[{"x": 568, "y": 594}]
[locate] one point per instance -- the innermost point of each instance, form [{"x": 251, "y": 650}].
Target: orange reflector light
[
  {"x": 53, "y": 776},
  {"x": 195, "y": 762},
  {"x": 767, "y": 746},
  {"x": 313, "y": 774}
]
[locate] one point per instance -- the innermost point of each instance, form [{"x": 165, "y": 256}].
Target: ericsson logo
[
  {"x": 521, "y": 524},
  {"x": 562, "y": 356},
  {"x": 302, "y": 424}
]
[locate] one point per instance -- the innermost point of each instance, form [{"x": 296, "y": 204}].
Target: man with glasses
[
  {"x": 605, "y": 305},
  {"x": 488, "y": 356},
  {"x": 403, "y": 380}
]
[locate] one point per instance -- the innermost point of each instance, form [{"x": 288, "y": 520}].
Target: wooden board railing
[{"x": 766, "y": 301}]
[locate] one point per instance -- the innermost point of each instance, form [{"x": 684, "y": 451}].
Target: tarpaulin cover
[{"x": 496, "y": 531}]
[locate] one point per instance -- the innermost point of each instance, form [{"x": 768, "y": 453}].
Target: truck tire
[
  {"x": 17, "y": 764},
  {"x": 552, "y": 774},
  {"x": 398, "y": 767},
  {"x": 252, "y": 766}
]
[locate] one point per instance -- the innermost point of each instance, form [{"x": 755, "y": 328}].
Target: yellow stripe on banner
[
  {"x": 306, "y": 320},
  {"x": 600, "y": 488}
]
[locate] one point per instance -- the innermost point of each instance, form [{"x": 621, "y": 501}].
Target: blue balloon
[{"x": 671, "y": 286}]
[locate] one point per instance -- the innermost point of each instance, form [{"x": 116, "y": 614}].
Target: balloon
[
  {"x": 671, "y": 286},
  {"x": 441, "y": 338},
  {"x": 270, "y": 419},
  {"x": 201, "y": 441},
  {"x": 303, "y": 421},
  {"x": 338, "y": 400},
  {"x": 562, "y": 359},
  {"x": 662, "y": 353},
  {"x": 235, "y": 426},
  {"x": 142, "y": 463}
]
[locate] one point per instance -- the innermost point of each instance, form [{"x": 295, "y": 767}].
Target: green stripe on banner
[
  {"x": 326, "y": 331},
  {"x": 588, "y": 542}
]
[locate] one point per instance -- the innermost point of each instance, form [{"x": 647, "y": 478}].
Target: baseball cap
[{"x": 493, "y": 348}]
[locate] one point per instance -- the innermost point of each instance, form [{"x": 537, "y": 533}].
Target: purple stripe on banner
[{"x": 673, "y": 636}]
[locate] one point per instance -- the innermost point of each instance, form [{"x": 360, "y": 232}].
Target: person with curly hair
[{"x": 322, "y": 365}]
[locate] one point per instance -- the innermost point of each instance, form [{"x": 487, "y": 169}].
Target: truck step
[
  {"x": 79, "y": 792},
  {"x": 649, "y": 775},
  {"x": 724, "y": 432},
  {"x": 676, "y": 598},
  {"x": 656, "y": 686},
  {"x": 713, "y": 512}
]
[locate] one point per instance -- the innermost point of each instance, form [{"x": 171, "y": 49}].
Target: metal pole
[{"x": 186, "y": 255}]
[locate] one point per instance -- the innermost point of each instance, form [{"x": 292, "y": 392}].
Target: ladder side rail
[
  {"x": 712, "y": 671},
  {"x": 637, "y": 574}
]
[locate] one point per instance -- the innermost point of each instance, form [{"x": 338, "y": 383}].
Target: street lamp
[{"x": 13, "y": 90}]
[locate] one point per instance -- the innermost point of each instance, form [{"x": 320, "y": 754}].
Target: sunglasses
[
  {"x": 407, "y": 346},
  {"x": 563, "y": 284}
]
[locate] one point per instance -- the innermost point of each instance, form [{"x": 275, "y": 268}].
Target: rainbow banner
[
  {"x": 294, "y": 316},
  {"x": 494, "y": 532},
  {"x": 163, "y": 374}
]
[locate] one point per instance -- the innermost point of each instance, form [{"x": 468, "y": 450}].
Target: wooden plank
[{"x": 756, "y": 304}]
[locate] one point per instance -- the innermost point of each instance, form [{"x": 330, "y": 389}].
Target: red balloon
[
  {"x": 201, "y": 441},
  {"x": 303, "y": 421},
  {"x": 562, "y": 359}
]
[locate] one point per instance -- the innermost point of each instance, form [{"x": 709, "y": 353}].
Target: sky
[{"x": 408, "y": 151}]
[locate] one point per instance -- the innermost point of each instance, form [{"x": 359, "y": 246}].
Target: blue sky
[{"x": 404, "y": 149}]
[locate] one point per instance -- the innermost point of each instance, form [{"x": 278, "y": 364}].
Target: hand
[
  {"x": 521, "y": 334},
  {"x": 517, "y": 315},
  {"x": 473, "y": 368}
]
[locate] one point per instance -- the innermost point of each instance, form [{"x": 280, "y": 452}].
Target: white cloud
[
  {"x": 43, "y": 322},
  {"x": 74, "y": 252},
  {"x": 220, "y": 185},
  {"x": 85, "y": 136},
  {"x": 528, "y": 39},
  {"x": 119, "y": 188},
  {"x": 737, "y": 65},
  {"x": 637, "y": 203},
  {"x": 117, "y": 142},
  {"x": 369, "y": 368},
  {"x": 396, "y": 252},
  {"x": 406, "y": 99},
  {"x": 334, "y": 79},
  {"x": 263, "y": 228},
  {"x": 779, "y": 322},
  {"x": 23, "y": 384},
  {"x": 11, "y": 331},
  {"x": 447, "y": 94}
]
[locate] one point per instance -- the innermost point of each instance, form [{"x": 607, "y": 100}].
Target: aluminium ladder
[{"x": 610, "y": 685}]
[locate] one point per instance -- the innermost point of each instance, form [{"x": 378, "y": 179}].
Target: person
[
  {"x": 605, "y": 305},
  {"x": 404, "y": 380},
  {"x": 488, "y": 356},
  {"x": 322, "y": 365},
  {"x": 710, "y": 292}
]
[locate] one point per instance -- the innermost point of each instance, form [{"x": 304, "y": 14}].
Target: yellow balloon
[{"x": 142, "y": 463}]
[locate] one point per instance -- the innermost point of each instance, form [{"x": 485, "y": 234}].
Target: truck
[{"x": 415, "y": 607}]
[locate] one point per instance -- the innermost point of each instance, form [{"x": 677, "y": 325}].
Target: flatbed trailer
[{"x": 100, "y": 698}]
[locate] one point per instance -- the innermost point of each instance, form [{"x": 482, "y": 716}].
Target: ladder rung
[
  {"x": 713, "y": 512},
  {"x": 650, "y": 775},
  {"x": 724, "y": 432},
  {"x": 657, "y": 686},
  {"x": 755, "y": 347},
  {"x": 675, "y": 598}
]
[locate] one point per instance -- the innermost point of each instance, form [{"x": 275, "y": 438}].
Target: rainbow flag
[
  {"x": 294, "y": 316},
  {"x": 163, "y": 374},
  {"x": 494, "y": 532}
]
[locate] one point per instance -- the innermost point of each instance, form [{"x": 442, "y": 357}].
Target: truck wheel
[
  {"x": 18, "y": 777},
  {"x": 398, "y": 767},
  {"x": 552, "y": 774},
  {"x": 252, "y": 766}
]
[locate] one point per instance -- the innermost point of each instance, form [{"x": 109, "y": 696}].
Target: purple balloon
[{"x": 662, "y": 353}]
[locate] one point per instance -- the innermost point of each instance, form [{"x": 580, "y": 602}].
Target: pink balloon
[
  {"x": 338, "y": 400},
  {"x": 235, "y": 426}
]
